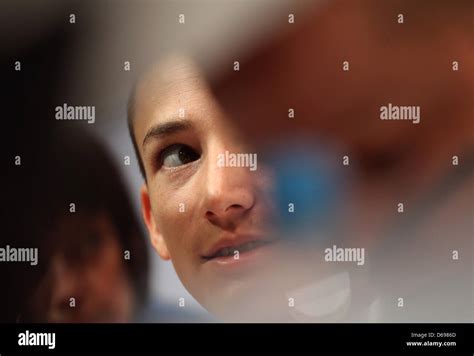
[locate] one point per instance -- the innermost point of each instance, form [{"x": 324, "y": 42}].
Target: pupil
[{"x": 184, "y": 155}]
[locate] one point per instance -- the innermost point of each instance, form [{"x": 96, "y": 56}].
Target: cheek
[
  {"x": 107, "y": 273},
  {"x": 175, "y": 213},
  {"x": 178, "y": 221}
]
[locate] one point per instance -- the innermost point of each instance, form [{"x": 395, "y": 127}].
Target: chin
[{"x": 245, "y": 300}]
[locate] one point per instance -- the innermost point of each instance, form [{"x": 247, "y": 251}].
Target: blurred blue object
[{"x": 309, "y": 186}]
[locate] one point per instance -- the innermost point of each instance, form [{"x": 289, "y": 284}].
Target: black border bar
[{"x": 156, "y": 338}]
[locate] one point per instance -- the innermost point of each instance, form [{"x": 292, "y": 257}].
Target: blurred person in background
[
  {"x": 83, "y": 273},
  {"x": 91, "y": 249},
  {"x": 93, "y": 262}
]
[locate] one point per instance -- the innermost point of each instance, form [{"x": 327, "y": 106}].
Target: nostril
[
  {"x": 227, "y": 213},
  {"x": 234, "y": 206},
  {"x": 210, "y": 215}
]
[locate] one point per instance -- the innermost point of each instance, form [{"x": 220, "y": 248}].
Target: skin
[
  {"x": 306, "y": 83},
  {"x": 88, "y": 265},
  {"x": 220, "y": 203}
]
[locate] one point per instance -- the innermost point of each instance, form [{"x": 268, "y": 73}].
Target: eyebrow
[{"x": 165, "y": 129}]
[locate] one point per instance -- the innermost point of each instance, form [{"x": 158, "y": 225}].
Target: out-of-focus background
[
  {"x": 83, "y": 61},
  {"x": 75, "y": 52}
]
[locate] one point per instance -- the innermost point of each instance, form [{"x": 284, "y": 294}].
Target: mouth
[
  {"x": 231, "y": 251},
  {"x": 235, "y": 251}
]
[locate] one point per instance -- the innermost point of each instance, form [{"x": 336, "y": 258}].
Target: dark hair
[
  {"x": 70, "y": 166},
  {"x": 88, "y": 176}
]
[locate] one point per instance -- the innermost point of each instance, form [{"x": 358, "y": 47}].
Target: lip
[{"x": 235, "y": 242}]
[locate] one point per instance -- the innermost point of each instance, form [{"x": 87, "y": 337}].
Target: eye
[{"x": 178, "y": 155}]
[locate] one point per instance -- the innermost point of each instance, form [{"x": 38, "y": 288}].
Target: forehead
[{"x": 168, "y": 86}]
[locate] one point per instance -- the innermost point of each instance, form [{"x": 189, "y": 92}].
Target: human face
[
  {"x": 193, "y": 207},
  {"x": 87, "y": 264}
]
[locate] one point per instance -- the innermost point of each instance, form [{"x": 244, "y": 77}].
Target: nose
[{"x": 229, "y": 194}]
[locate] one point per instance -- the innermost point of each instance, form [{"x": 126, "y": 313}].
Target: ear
[{"x": 156, "y": 237}]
